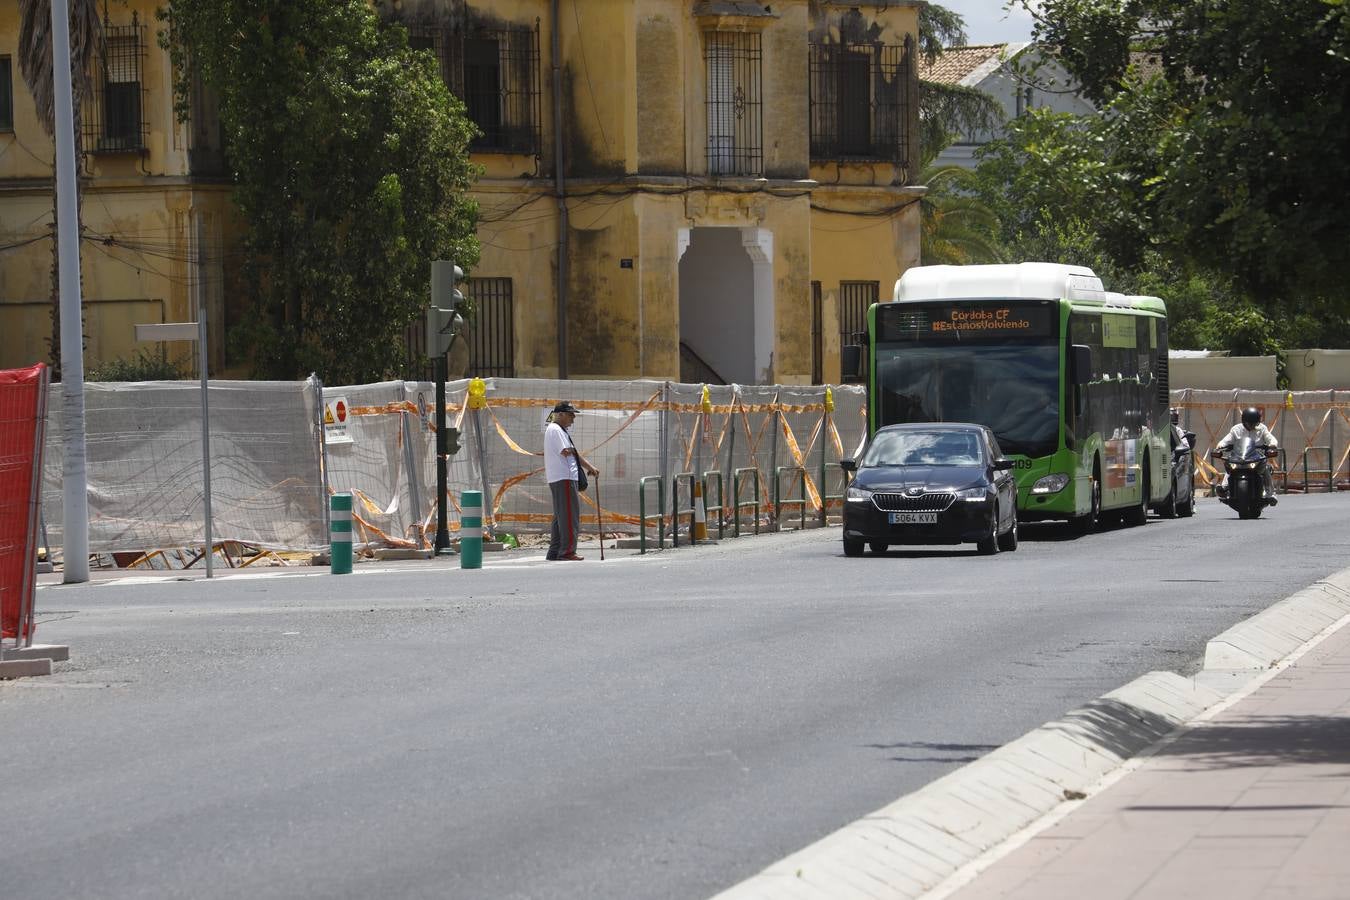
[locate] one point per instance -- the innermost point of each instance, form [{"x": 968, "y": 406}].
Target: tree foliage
[
  {"x": 349, "y": 160},
  {"x": 948, "y": 110},
  {"x": 1239, "y": 142}
]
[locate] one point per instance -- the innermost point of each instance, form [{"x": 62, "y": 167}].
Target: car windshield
[{"x": 923, "y": 448}]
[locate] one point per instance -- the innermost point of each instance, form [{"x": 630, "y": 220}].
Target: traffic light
[{"x": 445, "y": 316}]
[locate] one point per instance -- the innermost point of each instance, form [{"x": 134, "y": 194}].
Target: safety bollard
[
  {"x": 340, "y": 534},
  {"x": 471, "y": 530}
]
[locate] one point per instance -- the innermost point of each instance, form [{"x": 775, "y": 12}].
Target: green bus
[{"x": 1071, "y": 379}]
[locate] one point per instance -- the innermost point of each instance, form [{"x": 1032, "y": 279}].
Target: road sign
[{"x": 335, "y": 414}]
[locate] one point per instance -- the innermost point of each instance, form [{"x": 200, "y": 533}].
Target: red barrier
[{"x": 23, "y": 414}]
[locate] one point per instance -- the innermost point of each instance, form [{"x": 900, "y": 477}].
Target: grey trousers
[{"x": 566, "y": 518}]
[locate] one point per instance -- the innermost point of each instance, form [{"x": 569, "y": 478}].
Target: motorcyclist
[
  {"x": 1179, "y": 441},
  {"x": 1250, "y": 427}
]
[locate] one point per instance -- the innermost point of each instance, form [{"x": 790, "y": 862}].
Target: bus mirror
[
  {"x": 1080, "y": 364},
  {"x": 851, "y": 364}
]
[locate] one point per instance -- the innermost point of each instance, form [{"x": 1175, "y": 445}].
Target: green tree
[
  {"x": 350, "y": 167},
  {"x": 956, "y": 227},
  {"x": 1246, "y": 124},
  {"x": 948, "y": 110},
  {"x": 36, "y": 66}
]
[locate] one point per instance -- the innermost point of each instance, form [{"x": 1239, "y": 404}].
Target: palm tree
[
  {"x": 35, "y": 63},
  {"x": 955, "y": 227}
]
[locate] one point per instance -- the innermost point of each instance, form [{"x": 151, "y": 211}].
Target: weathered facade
[
  {"x": 155, "y": 206},
  {"x": 734, "y": 188}
]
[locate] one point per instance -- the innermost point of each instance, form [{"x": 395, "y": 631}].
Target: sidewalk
[{"x": 1252, "y": 801}]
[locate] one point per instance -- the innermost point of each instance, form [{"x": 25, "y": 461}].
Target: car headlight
[
  {"x": 973, "y": 495},
  {"x": 1050, "y": 484},
  {"x": 859, "y": 495}
]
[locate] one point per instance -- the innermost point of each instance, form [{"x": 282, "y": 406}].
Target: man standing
[{"x": 561, "y": 462}]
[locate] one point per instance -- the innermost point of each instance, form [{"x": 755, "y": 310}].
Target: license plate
[{"x": 928, "y": 518}]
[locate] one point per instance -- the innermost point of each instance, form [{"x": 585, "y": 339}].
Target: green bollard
[
  {"x": 471, "y": 530},
  {"x": 340, "y": 534}
]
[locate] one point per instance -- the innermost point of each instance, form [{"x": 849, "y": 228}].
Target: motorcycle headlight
[
  {"x": 1050, "y": 484},
  {"x": 973, "y": 495},
  {"x": 859, "y": 495}
]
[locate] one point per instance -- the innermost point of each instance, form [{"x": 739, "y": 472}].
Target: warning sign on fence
[{"x": 335, "y": 412}]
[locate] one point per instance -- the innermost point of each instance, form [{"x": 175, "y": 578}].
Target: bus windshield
[{"x": 1012, "y": 386}]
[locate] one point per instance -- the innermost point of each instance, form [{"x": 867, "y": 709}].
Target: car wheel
[
  {"x": 879, "y": 547},
  {"x": 989, "y": 545},
  {"x": 852, "y": 547},
  {"x": 1008, "y": 542},
  {"x": 1186, "y": 509},
  {"x": 1168, "y": 510}
]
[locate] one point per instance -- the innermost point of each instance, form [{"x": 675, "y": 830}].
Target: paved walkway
[{"x": 1250, "y": 802}]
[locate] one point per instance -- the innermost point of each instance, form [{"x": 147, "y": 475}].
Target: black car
[
  {"x": 1180, "y": 500},
  {"x": 938, "y": 483}
]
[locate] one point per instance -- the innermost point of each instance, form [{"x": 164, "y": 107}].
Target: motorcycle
[{"x": 1247, "y": 467}]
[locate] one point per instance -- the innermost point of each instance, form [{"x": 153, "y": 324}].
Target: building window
[
  {"x": 6, "y": 94},
  {"x": 860, "y": 101},
  {"x": 492, "y": 341},
  {"x": 1024, "y": 96},
  {"x": 735, "y": 143},
  {"x": 495, "y": 71},
  {"x": 114, "y": 123},
  {"x": 817, "y": 335},
  {"x": 854, "y": 299}
]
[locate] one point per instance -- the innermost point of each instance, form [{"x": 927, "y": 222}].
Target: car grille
[{"x": 907, "y": 503}]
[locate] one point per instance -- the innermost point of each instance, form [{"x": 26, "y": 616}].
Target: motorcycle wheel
[{"x": 1242, "y": 499}]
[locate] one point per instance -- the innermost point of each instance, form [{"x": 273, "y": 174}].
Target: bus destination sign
[{"x": 964, "y": 321}]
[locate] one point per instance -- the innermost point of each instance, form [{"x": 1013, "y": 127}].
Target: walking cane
[{"x": 600, "y": 517}]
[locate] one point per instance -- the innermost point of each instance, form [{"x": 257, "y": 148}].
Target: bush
[{"x": 144, "y": 366}]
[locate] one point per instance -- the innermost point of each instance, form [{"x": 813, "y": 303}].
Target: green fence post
[
  {"x": 471, "y": 530},
  {"x": 340, "y": 534}
]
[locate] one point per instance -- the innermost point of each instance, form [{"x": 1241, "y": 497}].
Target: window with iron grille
[
  {"x": 6, "y": 94},
  {"x": 860, "y": 101},
  {"x": 854, "y": 299},
  {"x": 817, "y": 336},
  {"x": 114, "y": 122},
  {"x": 492, "y": 342},
  {"x": 495, "y": 71},
  {"x": 735, "y": 141}
]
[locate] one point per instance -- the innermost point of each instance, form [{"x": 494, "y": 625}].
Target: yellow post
[{"x": 700, "y": 503}]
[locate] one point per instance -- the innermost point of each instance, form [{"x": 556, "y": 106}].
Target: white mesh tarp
[{"x": 143, "y": 442}]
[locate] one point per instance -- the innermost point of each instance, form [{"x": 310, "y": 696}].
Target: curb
[{"x": 909, "y": 847}]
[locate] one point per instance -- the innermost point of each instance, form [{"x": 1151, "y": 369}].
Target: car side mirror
[
  {"x": 1003, "y": 463},
  {"x": 848, "y": 465}
]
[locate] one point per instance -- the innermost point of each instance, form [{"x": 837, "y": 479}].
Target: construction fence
[
  {"x": 1312, "y": 427},
  {"x": 279, "y": 449}
]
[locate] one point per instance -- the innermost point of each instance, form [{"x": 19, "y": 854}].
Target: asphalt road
[{"x": 658, "y": 726}]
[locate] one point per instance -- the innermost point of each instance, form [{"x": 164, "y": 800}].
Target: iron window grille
[
  {"x": 492, "y": 337},
  {"x": 115, "y": 121},
  {"x": 6, "y": 94},
  {"x": 854, "y": 299},
  {"x": 496, "y": 72},
  {"x": 734, "y": 107},
  {"x": 860, "y": 101}
]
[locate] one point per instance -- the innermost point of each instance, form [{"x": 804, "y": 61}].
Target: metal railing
[
  {"x": 659, "y": 515},
  {"x": 1309, "y": 472},
  {"x": 737, "y": 504},
  {"x": 720, "y": 508},
  {"x": 779, "y": 501},
  {"x": 676, "y": 512}
]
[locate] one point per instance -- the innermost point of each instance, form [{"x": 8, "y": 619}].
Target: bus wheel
[
  {"x": 1138, "y": 515},
  {"x": 1086, "y": 524}
]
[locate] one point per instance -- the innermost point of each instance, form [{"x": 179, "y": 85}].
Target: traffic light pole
[{"x": 442, "y": 454}]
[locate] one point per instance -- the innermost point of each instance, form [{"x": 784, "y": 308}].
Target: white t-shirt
[
  {"x": 1260, "y": 436},
  {"x": 556, "y": 466}
]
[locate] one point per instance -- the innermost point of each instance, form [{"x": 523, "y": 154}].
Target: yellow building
[
  {"x": 155, "y": 205},
  {"x": 735, "y": 188}
]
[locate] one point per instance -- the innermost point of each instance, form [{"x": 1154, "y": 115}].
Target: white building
[{"x": 1019, "y": 76}]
